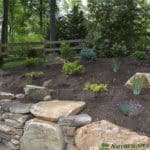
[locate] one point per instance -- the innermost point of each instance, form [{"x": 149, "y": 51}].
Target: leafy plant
[
  {"x": 137, "y": 85},
  {"x": 73, "y": 68},
  {"x": 11, "y": 65},
  {"x": 30, "y": 62},
  {"x": 130, "y": 108},
  {"x": 88, "y": 54},
  {"x": 34, "y": 74},
  {"x": 95, "y": 87},
  {"x": 66, "y": 51},
  {"x": 115, "y": 65},
  {"x": 139, "y": 55}
]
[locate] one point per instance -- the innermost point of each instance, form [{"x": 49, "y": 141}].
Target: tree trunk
[
  {"x": 4, "y": 36},
  {"x": 41, "y": 16},
  {"x": 52, "y": 20}
]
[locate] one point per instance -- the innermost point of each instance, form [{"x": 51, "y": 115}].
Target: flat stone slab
[
  {"x": 105, "y": 134},
  {"x": 6, "y": 95},
  {"x": 53, "y": 110},
  {"x": 144, "y": 76},
  {"x": 42, "y": 135},
  {"x": 75, "y": 121},
  {"x": 16, "y": 107}
]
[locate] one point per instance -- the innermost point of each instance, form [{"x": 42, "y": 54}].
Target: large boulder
[
  {"x": 53, "y": 110},
  {"x": 144, "y": 76},
  {"x": 36, "y": 93},
  {"x": 42, "y": 135},
  {"x": 105, "y": 134}
]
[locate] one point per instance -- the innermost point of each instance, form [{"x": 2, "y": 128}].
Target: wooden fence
[{"x": 49, "y": 46}]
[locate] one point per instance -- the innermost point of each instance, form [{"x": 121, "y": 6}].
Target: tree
[
  {"x": 72, "y": 25},
  {"x": 116, "y": 24},
  {"x": 52, "y": 20},
  {"x": 4, "y": 36}
]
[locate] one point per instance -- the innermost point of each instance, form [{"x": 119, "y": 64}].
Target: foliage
[
  {"x": 73, "y": 68},
  {"x": 66, "y": 51},
  {"x": 27, "y": 62},
  {"x": 113, "y": 21},
  {"x": 139, "y": 55},
  {"x": 116, "y": 64},
  {"x": 34, "y": 74},
  {"x": 72, "y": 25},
  {"x": 11, "y": 65},
  {"x": 137, "y": 85},
  {"x": 88, "y": 54},
  {"x": 130, "y": 108},
  {"x": 31, "y": 62},
  {"x": 95, "y": 87}
]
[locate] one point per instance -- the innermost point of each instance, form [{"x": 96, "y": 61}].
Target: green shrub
[
  {"x": 11, "y": 65},
  {"x": 118, "y": 50},
  {"x": 137, "y": 85},
  {"x": 31, "y": 62},
  {"x": 66, "y": 51},
  {"x": 33, "y": 74},
  {"x": 115, "y": 65},
  {"x": 88, "y": 54},
  {"x": 73, "y": 68},
  {"x": 139, "y": 55},
  {"x": 95, "y": 87}
]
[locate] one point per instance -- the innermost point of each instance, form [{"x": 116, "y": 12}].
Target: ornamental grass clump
[
  {"x": 137, "y": 85},
  {"x": 116, "y": 65},
  {"x": 130, "y": 108}
]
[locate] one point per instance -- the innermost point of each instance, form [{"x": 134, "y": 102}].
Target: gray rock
[
  {"x": 17, "y": 117},
  {"x": 47, "y": 84},
  {"x": 20, "y": 96},
  {"x": 75, "y": 121},
  {"x": 42, "y": 135},
  {"x": 5, "y": 95},
  {"x": 13, "y": 123},
  {"x": 36, "y": 93},
  {"x": 6, "y": 129},
  {"x": 20, "y": 108},
  {"x": 47, "y": 98},
  {"x": 12, "y": 146}
]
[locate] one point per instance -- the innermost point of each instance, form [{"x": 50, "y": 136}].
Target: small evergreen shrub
[
  {"x": 130, "y": 108},
  {"x": 137, "y": 85},
  {"x": 66, "y": 51},
  {"x": 73, "y": 68},
  {"x": 34, "y": 74},
  {"x": 139, "y": 55},
  {"x": 95, "y": 87},
  {"x": 116, "y": 65},
  {"x": 88, "y": 54}
]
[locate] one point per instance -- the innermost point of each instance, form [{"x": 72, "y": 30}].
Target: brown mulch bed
[{"x": 99, "y": 106}]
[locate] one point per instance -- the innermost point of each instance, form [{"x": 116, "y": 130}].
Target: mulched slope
[{"x": 99, "y": 106}]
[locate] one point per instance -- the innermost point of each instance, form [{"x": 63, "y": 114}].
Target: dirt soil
[{"x": 99, "y": 106}]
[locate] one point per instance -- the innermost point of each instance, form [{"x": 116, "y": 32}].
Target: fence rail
[{"x": 48, "y": 46}]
